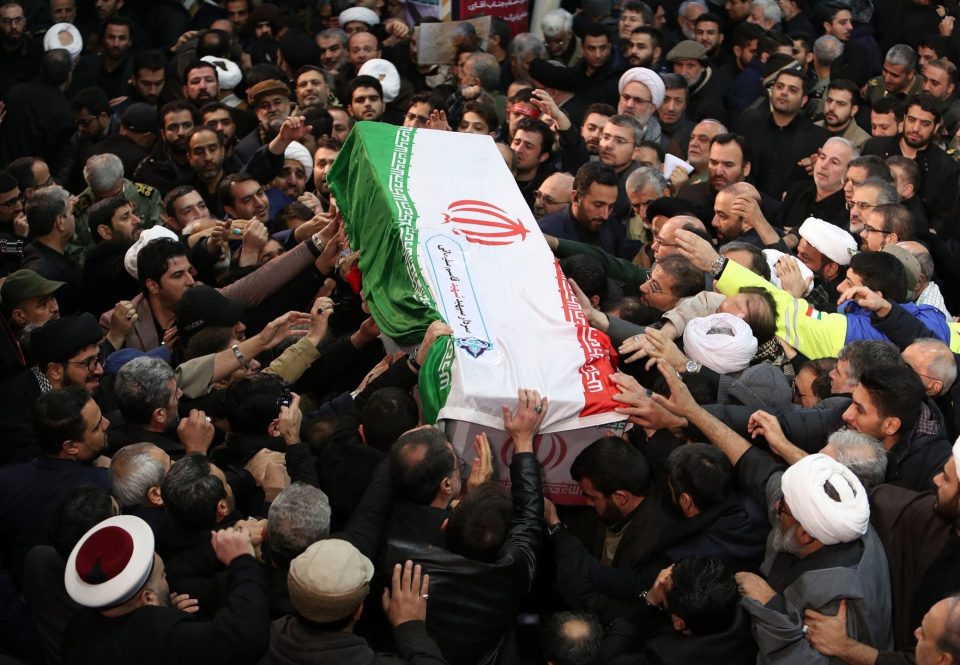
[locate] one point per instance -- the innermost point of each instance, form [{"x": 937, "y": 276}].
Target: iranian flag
[{"x": 444, "y": 233}]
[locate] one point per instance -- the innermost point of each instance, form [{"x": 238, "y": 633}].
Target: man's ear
[
  {"x": 746, "y": 169},
  {"x": 620, "y": 497},
  {"x": 153, "y": 286},
  {"x": 105, "y": 232},
  {"x": 55, "y": 371},
  {"x": 891, "y": 425},
  {"x": 679, "y": 624},
  {"x": 273, "y": 429},
  {"x": 154, "y": 497},
  {"x": 159, "y": 416},
  {"x": 19, "y": 317}
]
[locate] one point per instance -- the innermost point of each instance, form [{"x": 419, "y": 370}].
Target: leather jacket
[{"x": 473, "y": 605}]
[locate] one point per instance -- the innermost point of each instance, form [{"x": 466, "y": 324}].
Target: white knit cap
[
  {"x": 649, "y": 78},
  {"x": 385, "y": 72},
  {"x": 300, "y": 153},
  {"x": 722, "y": 342},
  {"x": 363, "y": 14},
  {"x": 828, "y": 239},
  {"x": 823, "y": 517},
  {"x": 65, "y": 36},
  {"x": 153, "y": 233},
  {"x": 228, "y": 72}
]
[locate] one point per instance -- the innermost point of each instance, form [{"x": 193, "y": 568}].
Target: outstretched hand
[{"x": 524, "y": 425}]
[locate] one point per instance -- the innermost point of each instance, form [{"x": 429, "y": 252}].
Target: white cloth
[
  {"x": 649, "y": 78},
  {"x": 153, "y": 233},
  {"x": 831, "y": 241},
  {"x": 299, "y": 152},
  {"x": 826, "y": 519},
  {"x": 931, "y": 296},
  {"x": 722, "y": 342},
  {"x": 362, "y": 14},
  {"x": 774, "y": 255},
  {"x": 66, "y": 36},
  {"x": 228, "y": 72},
  {"x": 385, "y": 72}
]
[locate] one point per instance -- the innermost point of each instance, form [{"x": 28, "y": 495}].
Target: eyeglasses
[
  {"x": 636, "y": 100},
  {"x": 420, "y": 119},
  {"x": 362, "y": 49},
  {"x": 869, "y": 229},
  {"x": 654, "y": 286},
  {"x": 860, "y": 205},
  {"x": 90, "y": 363},
  {"x": 16, "y": 20},
  {"x": 782, "y": 509},
  {"x": 844, "y": 180},
  {"x": 12, "y": 202},
  {"x": 547, "y": 200},
  {"x": 658, "y": 240}
]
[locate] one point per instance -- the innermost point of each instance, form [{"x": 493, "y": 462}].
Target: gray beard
[{"x": 785, "y": 542}]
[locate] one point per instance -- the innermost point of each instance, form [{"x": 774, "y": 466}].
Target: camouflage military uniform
[
  {"x": 146, "y": 201},
  {"x": 875, "y": 89}
]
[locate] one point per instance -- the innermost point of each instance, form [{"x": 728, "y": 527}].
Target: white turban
[
  {"x": 299, "y": 152},
  {"x": 66, "y": 36},
  {"x": 649, "y": 78},
  {"x": 824, "y": 518},
  {"x": 153, "y": 233},
  {"x": 722, "y": 342},
  {"x": 828, "y": 239},
  {"x": 385, "y": 72},
  {"x": 228, "y": 72},
  {"x": 774, "y": 255},
  {"x": 362, "y": 14}
]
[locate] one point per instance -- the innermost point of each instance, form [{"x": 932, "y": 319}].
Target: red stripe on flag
[{"x": 597, "y": 353}]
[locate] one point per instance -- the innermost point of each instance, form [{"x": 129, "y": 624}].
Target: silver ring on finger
[{"x": 538, "y": 409}]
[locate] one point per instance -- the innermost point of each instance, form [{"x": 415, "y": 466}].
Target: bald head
[
  {"x": 664, "y": 243},
  {"x": 934, "y": 364},
  {"x": 744, "y": 189}
]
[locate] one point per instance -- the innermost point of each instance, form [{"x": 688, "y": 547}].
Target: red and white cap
[{"x": 111, "y": 562}]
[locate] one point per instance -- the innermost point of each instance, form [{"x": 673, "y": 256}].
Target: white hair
[{"x": 556, "y": 23}]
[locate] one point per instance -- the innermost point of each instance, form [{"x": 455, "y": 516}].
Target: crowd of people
[{"x": 210, "y": 454}]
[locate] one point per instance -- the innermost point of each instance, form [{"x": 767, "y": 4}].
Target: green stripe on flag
[{"x": 369, "y": 180}]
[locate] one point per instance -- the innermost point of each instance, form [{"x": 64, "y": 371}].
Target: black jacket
[
  {"x": 776, "y": 150},
  {"x": 912, "y": 462},
  {"x": 163, "y": 635},
  {"x": 473, "y": 605},
  {"x": 938, "y": 179},
  {"x": 292, "y": 642},
  {"x": 105, "y": 279}
]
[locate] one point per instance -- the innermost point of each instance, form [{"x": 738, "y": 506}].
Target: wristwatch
[
  {"x": 553, "y": 528},
  {"x": 716, "y": 268},
  {"x": 692, "y": 367}
]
